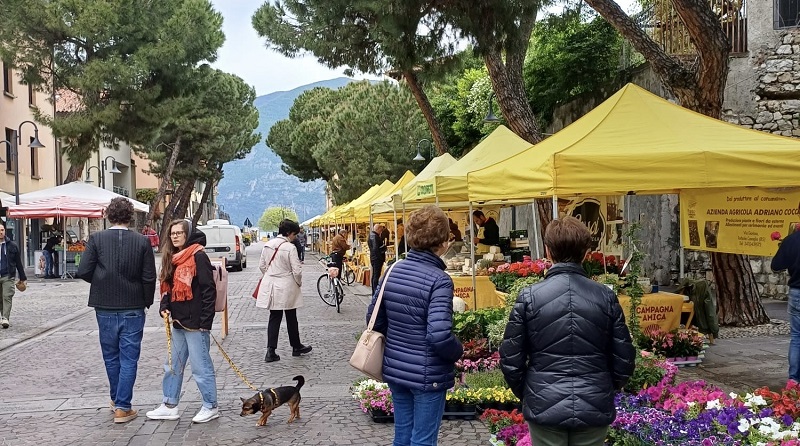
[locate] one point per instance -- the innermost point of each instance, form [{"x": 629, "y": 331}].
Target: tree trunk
[
  {"x": 544, "y": 208},
  {"x": 510, "y": 92},
  {"x": 170, "y": 213},
  {"x": 186, "y": 200},
  {"x": 165, "y": 179},
  {"x": 203, "y": 200},
  {"x": 738, "y": 302},
  {"x": 427, "y": 111},
  {"x": 700, "y": 87},
  {"x": 74, "y": 173}
]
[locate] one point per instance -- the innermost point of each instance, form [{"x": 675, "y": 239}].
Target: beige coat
[{"x": 280, "y": 286}]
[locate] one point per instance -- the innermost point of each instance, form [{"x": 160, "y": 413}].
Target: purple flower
[{"x": 787, "y": 420}]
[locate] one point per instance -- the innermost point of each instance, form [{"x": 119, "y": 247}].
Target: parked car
[{"x": 225, "y": 240}]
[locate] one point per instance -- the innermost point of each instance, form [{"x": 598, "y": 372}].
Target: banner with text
[
  {"x": 738, "y": 221},
  {"x": 657, "y": 310}
]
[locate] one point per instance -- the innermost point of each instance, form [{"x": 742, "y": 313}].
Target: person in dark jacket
[
  {"x": 120, "y": 265},
  {"x": 50, "y": 254},
  {"x": 416, "y": 316},
  {"x": 788, "y": 258},
  {"x": 491, "y": 232},
  {"x": 566, "y": 348},
  {"x": 377, "y": 253},
  {"x": 10, "y": 265},
  {"x": 188, "y": 295}
]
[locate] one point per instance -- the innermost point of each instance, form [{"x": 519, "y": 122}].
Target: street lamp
[
  {"x": 490, "y": 117},
  {"x": 16, "y": 141},
  {"x": 419, "y": 156},
  {"x": 101, "y": 171}
]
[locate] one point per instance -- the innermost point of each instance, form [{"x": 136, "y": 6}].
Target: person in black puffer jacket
[
  {"x": 566, "y": 348},
  {"x": 416, "y": 316},
  {"x": 188, "y": 295}
]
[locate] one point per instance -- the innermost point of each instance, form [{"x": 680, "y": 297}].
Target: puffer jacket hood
[
  {"x": 567, "y": 350},
  {"x": 416, "y": 316}
]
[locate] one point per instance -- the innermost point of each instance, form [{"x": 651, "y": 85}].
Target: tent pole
[
  {"x": 535, "y": 234},
  {"x": 396, "y": 240},
  {"x": 681, "y": 250},
  {"x": 405, "y": 240},
  {"x": 472, "y": 257},
  {"x": 555, "y": 207}
]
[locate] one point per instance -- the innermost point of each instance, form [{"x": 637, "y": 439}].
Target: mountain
[{"x": 257, "y": 182}]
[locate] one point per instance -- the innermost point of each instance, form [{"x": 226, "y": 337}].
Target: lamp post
[
  {"x": 101, "y": 171},
  {"x": 419, "y": 156},
  {"x": 490, "y": 117},
  {"x": 16, "y": 141}
]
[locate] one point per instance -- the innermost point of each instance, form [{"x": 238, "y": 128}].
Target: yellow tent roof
[
  {"x": 349, "y": 210},
  {"x": 637, "y": 141},
  {"x": 326, "y": 217},
  {"x": 450, "y": 185},
  {"x": 364, "y": 211}
]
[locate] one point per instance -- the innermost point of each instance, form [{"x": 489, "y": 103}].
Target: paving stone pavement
[{"x": 53, "y": 387}]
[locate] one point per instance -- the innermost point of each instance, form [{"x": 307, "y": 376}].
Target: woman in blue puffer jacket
[{"x": 416, "y": 316}]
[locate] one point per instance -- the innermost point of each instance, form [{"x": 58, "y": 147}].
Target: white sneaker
[
  {"x": 205, "y": 415},
  {"x": 4, "y": 322},
  {"x": 163, "y": 412}
]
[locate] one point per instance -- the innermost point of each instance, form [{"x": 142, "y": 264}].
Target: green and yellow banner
[{"x": 738, "y": 221}]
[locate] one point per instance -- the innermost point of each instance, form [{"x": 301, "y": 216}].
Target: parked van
[{"x": 225, "y": 240}]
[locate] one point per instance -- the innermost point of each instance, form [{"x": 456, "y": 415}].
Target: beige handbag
[{"x": 368, "y": 356}]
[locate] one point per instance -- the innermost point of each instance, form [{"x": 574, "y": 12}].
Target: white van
[{"x": 225, "y": 240}]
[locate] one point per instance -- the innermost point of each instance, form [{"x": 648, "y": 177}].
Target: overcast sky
[{"x": 245, "y": 55}]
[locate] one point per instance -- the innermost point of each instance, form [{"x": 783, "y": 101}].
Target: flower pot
[
  {"x": 453, "y": 407},
  {"x": 691, "y": 358},
  {"x": 380, "y": 416}
]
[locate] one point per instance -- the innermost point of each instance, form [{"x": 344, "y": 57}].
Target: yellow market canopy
[
  {"x": 636, "y": 141},
  {"x": 386, "y": 199},
  {"x": 450, "y": 185},
  {"x": 349, "y": 211}
]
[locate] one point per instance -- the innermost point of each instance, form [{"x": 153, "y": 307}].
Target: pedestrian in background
[
  {"x": 788, "y": 258},
  {"x": 188, "y": 296},
  {"x": 279, "y": 291},
  {"x": 121, "y": 268},
  {"x": 377, "y": 253},
  {"x": 10, "y": 266},
  {"x": 566, "y": 349},
  {"x": 301, "y": 240},
  {"x": 49, "y": 253},
  {"x": 416, "y": 316},
  {"x": 152, "y": 236}
]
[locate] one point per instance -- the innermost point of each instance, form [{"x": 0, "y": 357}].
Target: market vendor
[
  {"x": 50, "y": 255},
  {"x": 491, "y": 232}
]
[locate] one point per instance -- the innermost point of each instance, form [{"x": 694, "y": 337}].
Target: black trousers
[
  {"x": 376, "y": 275},
  {"x": 274, "y": 326}
]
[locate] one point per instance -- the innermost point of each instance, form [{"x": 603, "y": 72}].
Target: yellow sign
[
  {"x": 738, "y": 221},
  {"x": 487, "y": 297},
  {"x": 662, "y": 310}
]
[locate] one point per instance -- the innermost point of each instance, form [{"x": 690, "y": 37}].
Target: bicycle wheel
[
  {"x": 339, "y": 292},
  {"x": 326, "y": 292},
  {"x": 350, "y": 276}
]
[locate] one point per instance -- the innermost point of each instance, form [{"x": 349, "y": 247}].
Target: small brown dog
[{"x": 266, "y": 401}]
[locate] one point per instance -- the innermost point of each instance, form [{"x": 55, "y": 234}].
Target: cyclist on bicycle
[{"x": 339, "y": 248}]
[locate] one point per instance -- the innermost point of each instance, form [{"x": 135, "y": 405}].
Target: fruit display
[{"x": 77, "y": 246}]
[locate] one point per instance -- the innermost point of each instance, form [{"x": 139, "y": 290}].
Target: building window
[
  {"x": 8, "y": 79},
  {"x": 31, "y": 95},
  {"x": 9, "y": 158},
  {"x": 34, "y": 161},
  {"x": 786, "y": 14}
]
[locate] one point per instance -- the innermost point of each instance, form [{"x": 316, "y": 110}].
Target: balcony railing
[{"x": 664, "y": 25}]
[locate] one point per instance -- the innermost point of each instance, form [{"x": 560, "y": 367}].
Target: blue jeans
[
  {"x": 794, "y": 342},
  {"x": 194, "y": 346},
  {"x": 417, "y": 416},
  {"x": 121, "y": 334},
  {"x": 48, "y": 263}
]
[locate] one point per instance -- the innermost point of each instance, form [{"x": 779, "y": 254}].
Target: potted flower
[
  {"x": 461, "y": 400},
  {"x": 374, "y": 398}
]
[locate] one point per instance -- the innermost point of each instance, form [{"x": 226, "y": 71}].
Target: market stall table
[{"x": 662, "y": 310}]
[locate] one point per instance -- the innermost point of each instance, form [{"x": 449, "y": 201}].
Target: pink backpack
[{"x": 221, "y": 282}]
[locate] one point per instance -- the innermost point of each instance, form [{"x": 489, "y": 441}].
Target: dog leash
[{"x": 221, "y": 350}]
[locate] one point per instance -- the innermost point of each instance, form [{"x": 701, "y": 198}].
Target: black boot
[
  {"x": 271, "y": 355},
  {"x": 303, "y": 349}
]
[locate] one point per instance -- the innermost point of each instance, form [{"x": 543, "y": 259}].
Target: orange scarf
[{"x": 185, "y": 270}]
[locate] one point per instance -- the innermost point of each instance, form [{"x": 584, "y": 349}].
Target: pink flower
[{"x": 775, "y": 236}]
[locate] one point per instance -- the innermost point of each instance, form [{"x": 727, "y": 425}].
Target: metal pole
[
  {"x": 555, "y": 207},
  {"x": 472, "y": 233},
  {"x": 535, "y": 234},
  {"x": 17, "y": 221}
]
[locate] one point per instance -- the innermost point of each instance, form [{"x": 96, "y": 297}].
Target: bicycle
[
  {"x": 330, "y": 288},
  {"x": 348, "y": 274}
]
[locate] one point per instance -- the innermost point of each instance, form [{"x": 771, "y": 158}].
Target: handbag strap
[
  {"x": 274, "y": 254},
  {"x": 374, "y": 316}
]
